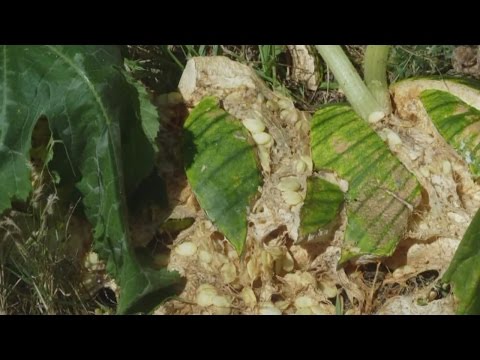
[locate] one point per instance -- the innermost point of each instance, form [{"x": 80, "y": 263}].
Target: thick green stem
[
  {"x": 357, "y": 93},
  {"x": 375, "y": 74}
]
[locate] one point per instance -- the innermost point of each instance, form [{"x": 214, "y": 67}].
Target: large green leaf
[
  {"x": 382, "y": 192},
  {"x": 93, "y": 111},
  {"x": 148, "y": 112},
  {"x": 222, "y": 168},
  {"x": 464, "y": 270}
]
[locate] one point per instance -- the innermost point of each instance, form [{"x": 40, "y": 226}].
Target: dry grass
[{"x": 41, "y": 247}]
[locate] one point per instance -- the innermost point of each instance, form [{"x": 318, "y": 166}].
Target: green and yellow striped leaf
[
  {"x": 382, "y": 192},
  {"x": 222, "y": 168}
]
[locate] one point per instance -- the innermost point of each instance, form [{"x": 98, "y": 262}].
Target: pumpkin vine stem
[{"x": 369, "y": 99}]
